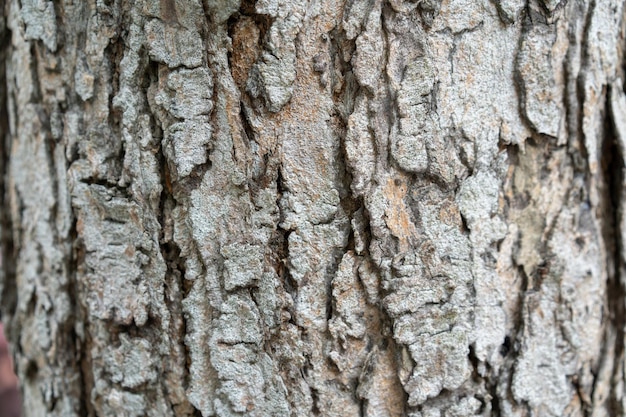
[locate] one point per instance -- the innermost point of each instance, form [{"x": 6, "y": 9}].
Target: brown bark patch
[
  {"x": 245, "y": 37},
  {"x": 397, "y": 216}
]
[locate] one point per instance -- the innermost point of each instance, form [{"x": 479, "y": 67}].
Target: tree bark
[{"x": 337, "y": 208}]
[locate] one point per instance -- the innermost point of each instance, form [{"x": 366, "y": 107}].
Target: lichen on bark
[{"x": 377, "y": 208}]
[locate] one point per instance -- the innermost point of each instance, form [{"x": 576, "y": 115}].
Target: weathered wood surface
[{"x": 337, "y": 208}]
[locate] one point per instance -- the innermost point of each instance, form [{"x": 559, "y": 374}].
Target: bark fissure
[
  {"x": 81, "y": 341},
  {"x": 613, "y": 166},
  {"x": 8, "y": 295}
]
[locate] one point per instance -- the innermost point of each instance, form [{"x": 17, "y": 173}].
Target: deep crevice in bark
[
  {"x": 115, "y": 53},
  {"x": 572, "y": 102},
  {"x": 8, "y": 297},
  {"x": 247, "y": 128},
  {"x": 175, "y": 264},
  {"x": 248, "y": 8},
  {"x": 36, "y": 92},
  {"x": 282, "y": 249},
  {"x": 580, "y": 155},
  {"x": 79, "y": 342},
  {"x": 613, "y": 195},
  {"x": 85, "y": 363}
]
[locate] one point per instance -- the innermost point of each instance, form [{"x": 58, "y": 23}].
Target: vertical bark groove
[{"x": 613, "y": 165}]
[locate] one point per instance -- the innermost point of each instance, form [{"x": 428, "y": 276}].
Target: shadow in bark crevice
[{"x": 613, "y": 179}]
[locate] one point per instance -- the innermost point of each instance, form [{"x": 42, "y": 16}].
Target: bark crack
[
  {"x": 8, "y": 294},
  {"x": 177, "y": 287},
  {"x": 613, "y": 164}
]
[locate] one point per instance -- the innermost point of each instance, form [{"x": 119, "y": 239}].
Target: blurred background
[{"x": 9, "y": 392}]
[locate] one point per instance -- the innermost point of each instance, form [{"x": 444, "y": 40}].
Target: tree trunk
[{"x": 334, "y": 208}]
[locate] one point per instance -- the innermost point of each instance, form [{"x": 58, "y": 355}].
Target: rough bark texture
[{"x": 338, "y": 208}]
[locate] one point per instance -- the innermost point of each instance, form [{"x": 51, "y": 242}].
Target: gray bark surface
[{"x": 334, "y": 208}]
